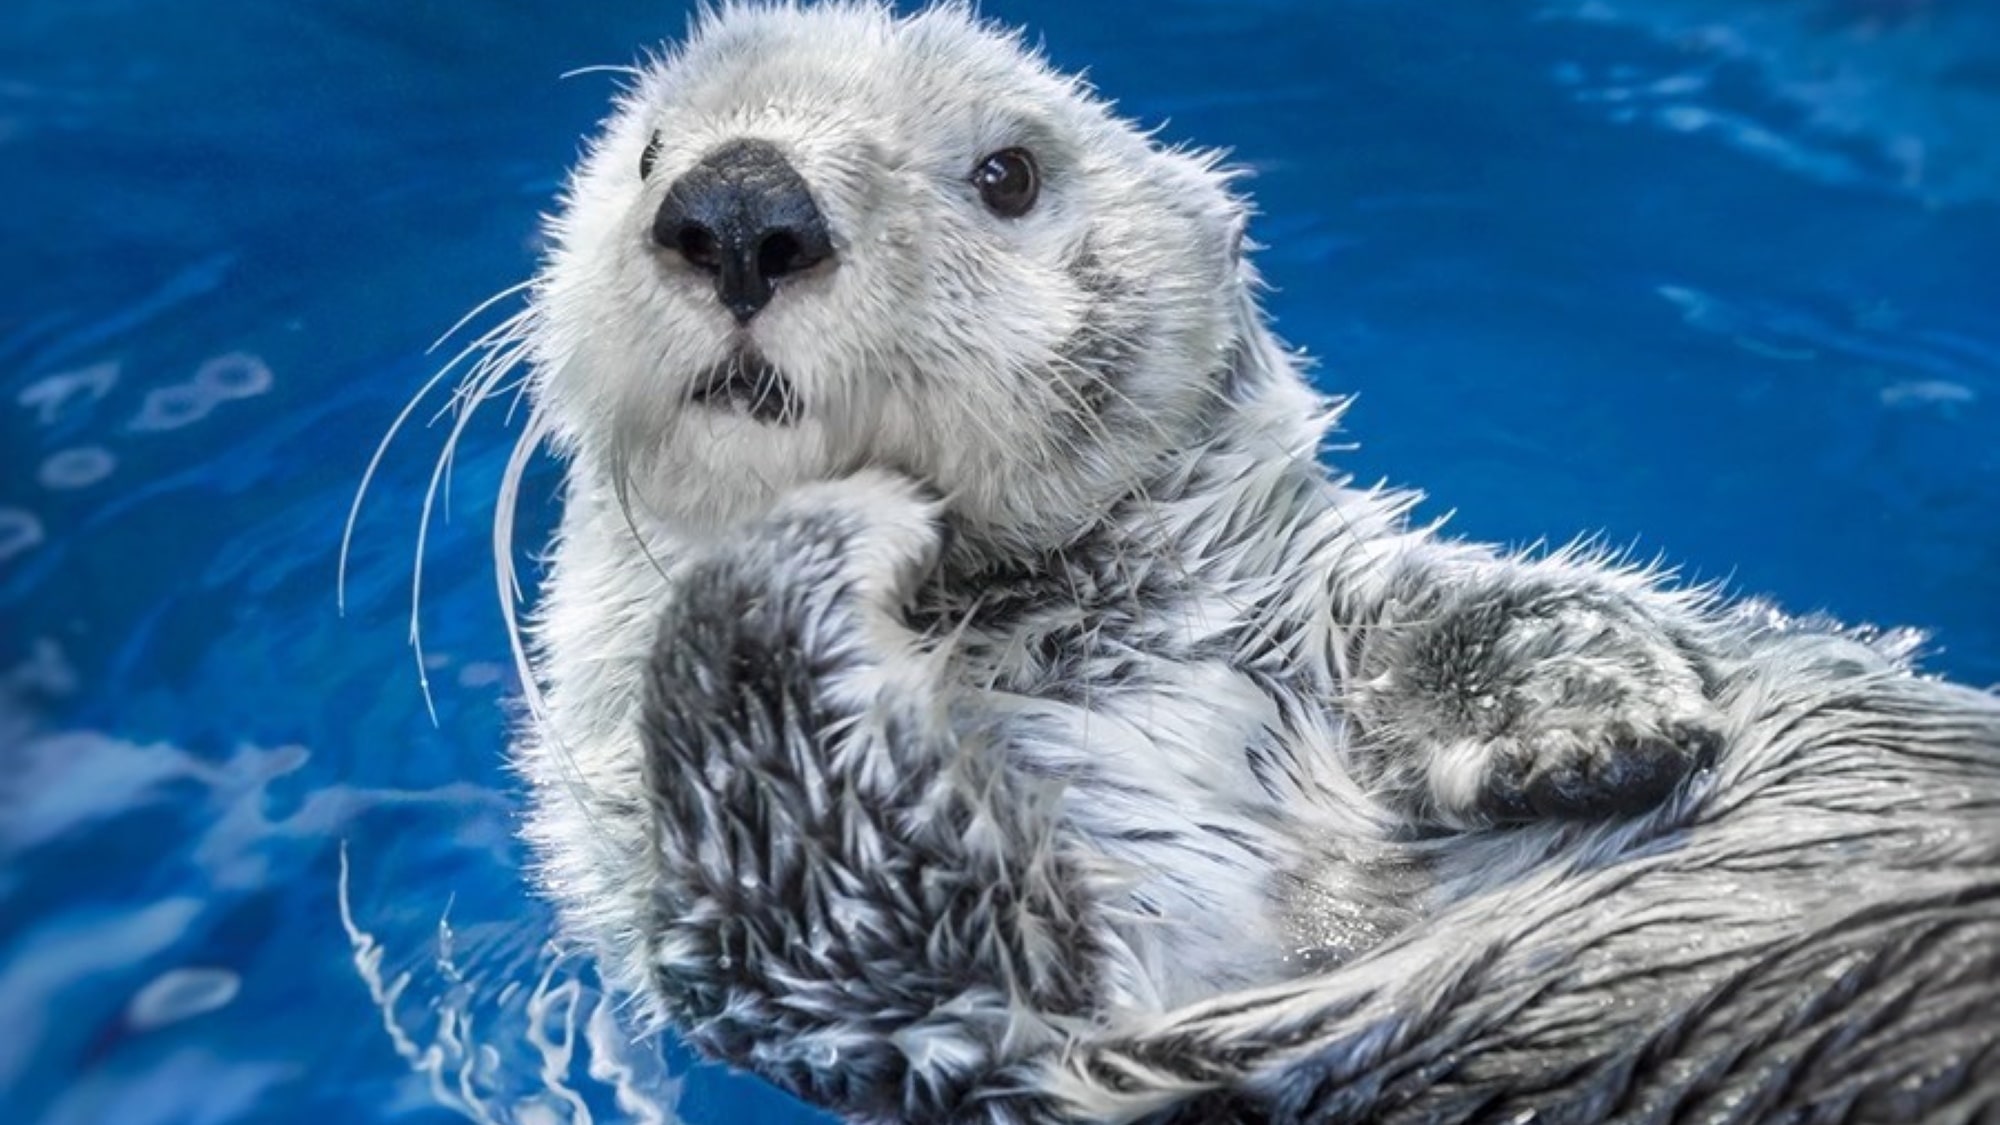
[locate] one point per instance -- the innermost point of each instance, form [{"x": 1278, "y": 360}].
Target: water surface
[{"x": 1713, "y": 279}]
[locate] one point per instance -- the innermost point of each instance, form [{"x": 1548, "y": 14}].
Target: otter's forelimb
[
  {"x": 1492, "y": 689},
  {"x": 856, "y": 897}
]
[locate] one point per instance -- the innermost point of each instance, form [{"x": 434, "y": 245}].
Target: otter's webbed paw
[
  {"x": 1512, "y": 698},
  {"x": 865, "y": 541},
  {"x": 854, "y": 895}
]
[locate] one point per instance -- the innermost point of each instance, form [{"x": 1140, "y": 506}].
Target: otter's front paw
[
  {"x": 875, "y": 535},
  {"x": 1520, "y": 704},
  {"x": 821, "y": 580}
]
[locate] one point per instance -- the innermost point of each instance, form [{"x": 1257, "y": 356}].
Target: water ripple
[
  {"x": 1900, "y": 97},
  {"x": 76, "y": 468}
]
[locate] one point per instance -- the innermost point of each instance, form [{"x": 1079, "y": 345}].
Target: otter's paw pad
[{"x": 1576, "y": 773}]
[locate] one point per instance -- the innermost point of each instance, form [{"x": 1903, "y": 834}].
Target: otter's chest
[
  {"x": 1196, "y": 757},
  {"x": 1194, "y": 699},
  {"x": 1167, "y": 689}
]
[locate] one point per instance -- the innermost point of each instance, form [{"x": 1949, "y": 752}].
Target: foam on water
[
  {"x": 50, "y": 395},
  {"x": 180, "y": 994},
  {"x": 20, "y": 532},
  {"x": 79, "y": 467}
]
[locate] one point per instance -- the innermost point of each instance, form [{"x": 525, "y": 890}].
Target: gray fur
[
  {"x": 1012, "y": 721},
  {"x": 1811, "y": 933}
]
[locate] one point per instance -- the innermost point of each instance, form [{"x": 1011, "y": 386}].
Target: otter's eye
[
  {"x": 1008, "y": 182},
  {"x": 647, "y": 157}
]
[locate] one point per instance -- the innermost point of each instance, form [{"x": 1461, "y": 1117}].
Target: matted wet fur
[{"x": 960, "y": 692}]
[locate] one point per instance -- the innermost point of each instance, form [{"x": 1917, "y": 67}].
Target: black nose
[{"x": 744, "y": 215}]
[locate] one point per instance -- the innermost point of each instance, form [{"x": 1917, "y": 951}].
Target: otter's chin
[{"x": 722, "y": 459}]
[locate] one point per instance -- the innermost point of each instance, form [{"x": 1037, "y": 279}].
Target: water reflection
[{"x": 498, "y": 1053}]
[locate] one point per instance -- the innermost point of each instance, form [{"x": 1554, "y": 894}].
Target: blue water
[{"x": 1718, "y": 280}]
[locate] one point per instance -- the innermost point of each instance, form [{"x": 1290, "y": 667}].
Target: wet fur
[
  {"x": 1024, "y": 727},
  {"x": 1811, "y": 933}
]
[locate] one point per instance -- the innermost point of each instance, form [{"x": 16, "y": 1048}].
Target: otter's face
[{"x": 809, "y": 242}]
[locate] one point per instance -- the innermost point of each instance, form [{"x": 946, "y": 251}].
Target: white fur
[{"x": 913, "y": 352}]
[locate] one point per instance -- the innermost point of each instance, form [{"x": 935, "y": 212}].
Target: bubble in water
[
  {"x": 76, "y": 468},
  {"x": 179, "y": 994},
  {"x": 170, "y": 408},
  {"x": 235, "y": 375},
  {"x": 20, "y": 532}
]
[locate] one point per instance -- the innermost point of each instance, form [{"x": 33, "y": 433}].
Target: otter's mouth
[{"x": 747, "y": 384}]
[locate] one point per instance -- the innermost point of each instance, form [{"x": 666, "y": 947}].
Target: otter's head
[{"x": 812, "y": 240}]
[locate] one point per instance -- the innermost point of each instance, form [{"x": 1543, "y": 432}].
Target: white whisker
[
  {"x": 602, "y": 68},
  {"x": 507, "y": 586},
  {"x": 481, "y": 307},
  {"x": 368, "y": 477},
  {"x": 514, "y": 326},
  {"x": 488, "y": 373},
  {"x": 507, "y": 583}
]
